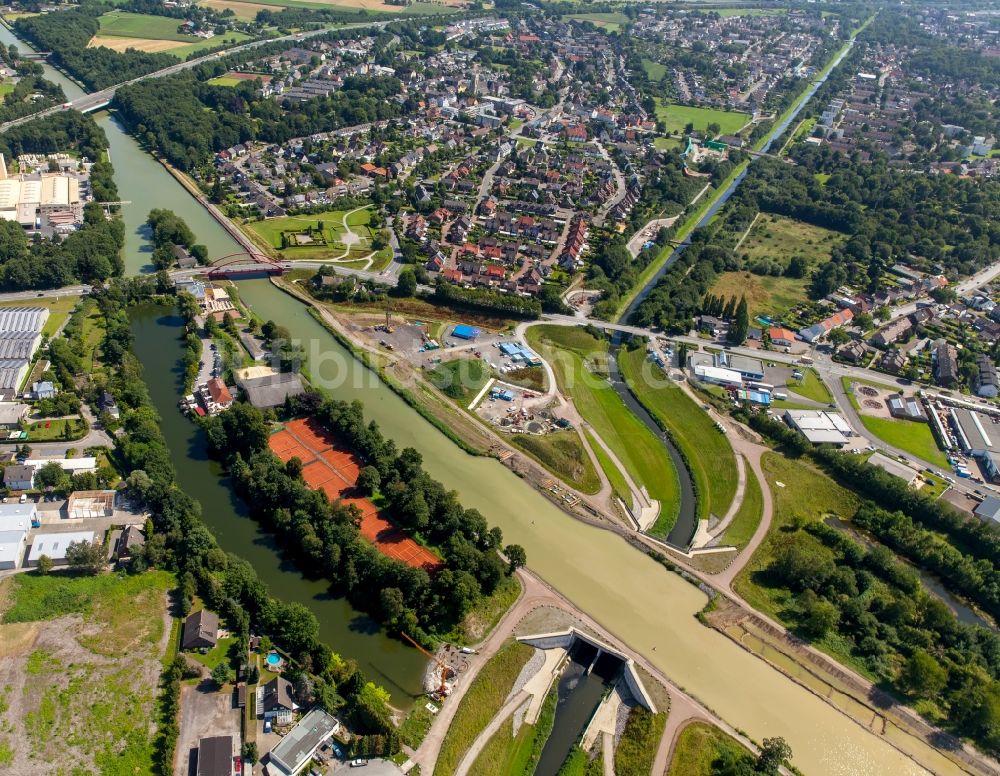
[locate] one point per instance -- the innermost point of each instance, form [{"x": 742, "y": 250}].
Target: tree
[
  {"x": 89, "y": 557},
  {"x": 52, "y": 475},
  {"x": 516, "y": 557},
  {"x": 406, "y": 285},
  {"x": 44, "y": 565},
  {"x": 863, "y": 321},
  {"x": 883, "y": 313},
  {"x": 838, "y": 337},
  {"x": 922, "y": 676},
  {"x": 817, "y": 615},
  {"x": 369, "y": 480},
  {"x": 250, "y": 753},
  {"x": 740, "y": 325},
  {"x": 222, "y": 674},
  {"x": 773, "y": 754}
]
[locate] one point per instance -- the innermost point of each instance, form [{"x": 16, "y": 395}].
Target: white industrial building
[
  {"x": 820, "y": 427},
  {"x": 54, "y": 545},
  {"x": 70, "y": 465},
  {"x": 715, "y": 375},
  {"x": 11, "y": 548},
  {"x": 27, "y": 198}
]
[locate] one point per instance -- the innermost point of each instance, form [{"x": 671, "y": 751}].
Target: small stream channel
[
  {"x": 582, "y": 686},
  {"x": 682, "y": 533}
]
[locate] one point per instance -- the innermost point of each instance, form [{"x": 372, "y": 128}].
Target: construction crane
[
  {"x": 388, "y": 325},
  {"x": 445, "y": 670}
]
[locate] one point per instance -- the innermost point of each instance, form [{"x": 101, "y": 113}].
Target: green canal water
[{"x": 628, "y": 593}]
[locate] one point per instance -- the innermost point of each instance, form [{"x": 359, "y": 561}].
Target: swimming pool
[{"x": 273, "y": 659}]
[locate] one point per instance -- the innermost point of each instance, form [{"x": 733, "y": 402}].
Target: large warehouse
[
  {"x": 978, "y": 434},
  {"x": 20, "y": 337},
  {"x": 820, "y": 427},
  {"x": 25, "y": 198}
]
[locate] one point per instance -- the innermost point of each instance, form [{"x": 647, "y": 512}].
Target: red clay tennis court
[{"x": 334, "y": 470}]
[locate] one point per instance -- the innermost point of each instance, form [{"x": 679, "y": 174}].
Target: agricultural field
[
  {"x": 776, "y": 240},
  {"x": 611, "y": 21},
  {"x": 235, "y": 79},
  {"x": 335, "y": 236},
  {"x": 244, "y": 11},
  {"x": 377, "y": 6},
  {"x": 709, "y": 455},
  {"x": 751, "y": 11},
  {"x": 122, "y": 30},
  {"x": 81, "y": 660},
  {"x": 580, "y": 361},
  {"x": 677, "y": 117}
]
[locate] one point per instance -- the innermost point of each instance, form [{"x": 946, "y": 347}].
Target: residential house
[
  {"x": 201, "y": 630},
  {"x": 892, "y": 333},
  {"x": 945, "y": 363},
  {"x": 892, "y": 361},
  {"x": 215, "y": 756},
  {"x": 18, "y": 477},
  {"x": 855, "y": 352},
  {"x": 128, "y": 541},
  {"x": 985, "y": 380},
  {"x": 780, "y": 337},
  {"x": 278, "y": 696},
  {"x": 709, "y": 324}
]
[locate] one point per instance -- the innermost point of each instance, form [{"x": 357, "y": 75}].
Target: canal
[{"x": 628, "y": 593}]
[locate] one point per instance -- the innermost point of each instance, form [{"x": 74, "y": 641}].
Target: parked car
[{"x": 359, "y": 763}]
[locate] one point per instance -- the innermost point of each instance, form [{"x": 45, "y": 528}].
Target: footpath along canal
[{"x": 630, "y": 594}]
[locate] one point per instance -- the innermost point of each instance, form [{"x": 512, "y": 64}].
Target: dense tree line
[
  {"x": 181, "y": 542},
  {"x": 91, "y": 255},
  {"x": 481, "y": 300},
  {"x": 905, "y": 636},
  {"x": 67, "y": 33},
  {"x": 188, "y": 121},
  {"x": 30, "y": 94},
  {"x": 326, "y": 538}
]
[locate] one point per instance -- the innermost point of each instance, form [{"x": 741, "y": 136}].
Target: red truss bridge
[{"x": 244, "y": 265}]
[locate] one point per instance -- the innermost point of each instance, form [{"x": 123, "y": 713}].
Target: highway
[{"x": 99, "y": 99}]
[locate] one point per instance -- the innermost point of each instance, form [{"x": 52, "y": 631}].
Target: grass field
[
  {"x": 805, "y": 495},
  {"x": 667, "y": 143},
  {"x": 637, "y": 746},
  {"x": 326, "y": 230},
  {"x": 777, "y": 239},
  {"x": 612, "y": 472},
  {"x": 122, "y": 24},
  {"x": 561, "y": 453},
  {"x": 698, "y": 746},
  {"x": 746, "y": 520},
  {"x": 87, "y": 684},
  {"x": 481, "y": 703},
  {"x": 677, "y": 117},
  {"x": 709, "y": 455},
  {"x": 225, "y": 80},
  {"x": 811, "y": 387},
  {"x": 578, "y": 359},
  {"x": 655, "y": 71},
  {"x": 611, "y": 21},
  {"x": 911, "y": 436},
  {"x": 518, "y": 754},
  {"x": 54, "y": 430},
  {"x": 460, "y": 379}
]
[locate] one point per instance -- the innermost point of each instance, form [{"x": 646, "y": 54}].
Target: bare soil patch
[{"x": 149, "y": 45}]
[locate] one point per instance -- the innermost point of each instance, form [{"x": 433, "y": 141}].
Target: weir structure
[{"x": 566, "y": 638}]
